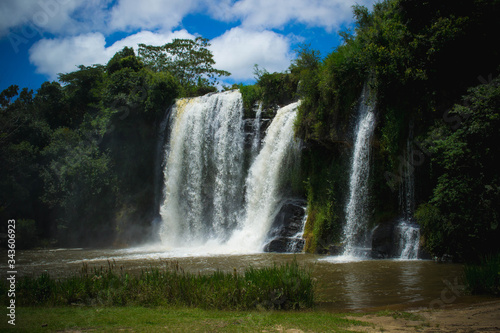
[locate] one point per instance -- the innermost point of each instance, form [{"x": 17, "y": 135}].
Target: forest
[{"x": 78, "y": 155}]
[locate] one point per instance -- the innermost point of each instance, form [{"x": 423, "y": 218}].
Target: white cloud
[
  {"x": 151, "y": 14},
  {"x": 62, "y": 55},
  {"x": 238, "y": 50},
  {"x": 265, "y": 14},
  {"x": 74, "y": 17},
  {"x": 81, "y": 28},
  {"x": 52, "y": 16}
]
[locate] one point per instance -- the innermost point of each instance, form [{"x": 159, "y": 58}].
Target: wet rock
[
  {"x": 286, "y": 225},
  {"x": 383, "y": 241},
  {"x": 445, "y": 258},
  {"x": 284, "y": 244}
]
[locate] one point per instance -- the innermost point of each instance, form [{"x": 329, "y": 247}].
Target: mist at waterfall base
[{"x": 222, "y": 185}]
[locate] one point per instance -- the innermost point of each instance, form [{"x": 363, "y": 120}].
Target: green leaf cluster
[
  {"x": 189, "y": 61},
  {"x": 463, "y": 214}
]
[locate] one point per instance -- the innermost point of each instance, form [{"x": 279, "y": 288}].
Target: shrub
[
  {"x": 485, "y": 277},
  {"x": 286, "y": 286}
]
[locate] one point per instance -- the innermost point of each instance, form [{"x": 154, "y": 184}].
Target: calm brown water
[{"x": 341, "y": 286}]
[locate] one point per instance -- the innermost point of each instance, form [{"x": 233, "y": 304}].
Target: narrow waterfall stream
[
  {"x": 265, "y": 182},
  {"x": 356, "y": 235},
  {"x": 407, "y": 232}
]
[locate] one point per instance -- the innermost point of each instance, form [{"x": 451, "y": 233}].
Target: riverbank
[{"x": 479, "y": 317}]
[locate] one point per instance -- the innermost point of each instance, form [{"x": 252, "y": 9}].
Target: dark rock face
[
  {"x": 423, "y": 254},
  {"x": 284, "y": 245},
  {"x": 287, "y": 224},
  {"x": 249, "y": 128},
  {"x": 335, "y": 250},
  {"x": 382, "y": 241}
]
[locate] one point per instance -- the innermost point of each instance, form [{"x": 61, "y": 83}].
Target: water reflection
[
  {"x": 410, "y": 281},
  {"x": 341, "y": 285}
]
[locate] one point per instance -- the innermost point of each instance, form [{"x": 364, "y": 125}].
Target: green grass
[
  {"x": 485, "y": 277},
  {"x": 161, "y": 319},
  {"x": 286, "y": 286}
]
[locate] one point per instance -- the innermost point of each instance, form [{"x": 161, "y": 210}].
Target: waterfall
[
  {"x": 407, "y": 185},
  {"x": 408, "y": 238},
  {"x": 297, "y": 241},
  {"x": 204, "y": 169},
  {"x": 407, "y": 233},
  {"x": 265, "y": 182},
  {"x": 356, "y": 235},
  {"x": 210, "y": 199},
  {"x": 256, "y": 131}
]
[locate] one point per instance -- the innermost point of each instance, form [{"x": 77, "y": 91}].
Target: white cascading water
[
  {"x": 407, "y": 232},
  {"x": 264, "y": 184},
  {"x": 296, "y": 241},
  {"x": 207, "y": 200},
  {"x": 256, "y": 140},
  {"x": 408, "y": 240},
  {"x": 356, "y": 236},
  {"x": 204, "y": 170}
]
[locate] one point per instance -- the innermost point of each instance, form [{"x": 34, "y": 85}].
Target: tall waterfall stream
[{"x": 356, "y": 236}]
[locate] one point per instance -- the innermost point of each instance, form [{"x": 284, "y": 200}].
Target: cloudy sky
[{"x": 40, "y": 38}]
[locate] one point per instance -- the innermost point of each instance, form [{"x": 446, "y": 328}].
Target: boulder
[
  {"x": 287, "y": 224},
  {"x": 285, "y": 245}
]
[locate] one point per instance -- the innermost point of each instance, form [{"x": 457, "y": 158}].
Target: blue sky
[{"x": 40, "y": 38}]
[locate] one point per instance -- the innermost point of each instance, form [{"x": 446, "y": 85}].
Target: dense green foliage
[
  {"x": 77, "y": 158},
  {"x": 419, "y": 59},
  {"x": 271, "y": 90},
  {"x": 287, "y": 286},
  {"x": 325, "y": 188},
  {"x": 484, "y": 278},
  {"x": 188, "y": 60},
  {"x": 463, "y": 213}
]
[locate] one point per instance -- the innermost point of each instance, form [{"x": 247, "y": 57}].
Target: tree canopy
[{"x": 190, "y": 61}]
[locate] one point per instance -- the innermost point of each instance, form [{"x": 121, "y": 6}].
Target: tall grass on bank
[
  {"x": 286, "y": 286},
  {"x": 485, "y": 277}
]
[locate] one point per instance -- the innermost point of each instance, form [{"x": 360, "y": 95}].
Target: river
[{"x": 341, "y": 286}]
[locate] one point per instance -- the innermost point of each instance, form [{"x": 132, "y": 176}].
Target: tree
[
  {"x": 463, "y": 215},
  {"x": 80, "y": 186},
  {"x": 83, "y": 90},
  {"x": 23, "y": 132},
  {"x": 124, "y": 59},
  {"x": 190, "y": 61}
]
